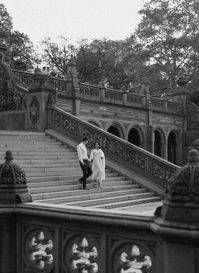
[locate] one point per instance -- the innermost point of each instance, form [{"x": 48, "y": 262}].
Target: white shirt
[{"x": 82, "y": 152}]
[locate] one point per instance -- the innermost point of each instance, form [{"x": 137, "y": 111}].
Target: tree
[
  {"x": 100, "y": 59},
  {"x": 57, "y": 55},
  {"x": 21, "y": 51},
  {"x": 20, "y": 48},
  {"x": 5, "y": 20},
  {"x": 169, "y": 32}
]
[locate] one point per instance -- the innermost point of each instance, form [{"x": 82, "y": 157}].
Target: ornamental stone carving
[
  {"x": 134, "y": 262},
  {"x": 181, "y": 202},
  {"x": 34, "y": 112},
  {"x": 13, "y": 181},
  {"x": 184, "y": 184},
  {"x": 39, "y": 252},
  {"x": 84, "y": 257},
  {"x": 11, "y": 173}
]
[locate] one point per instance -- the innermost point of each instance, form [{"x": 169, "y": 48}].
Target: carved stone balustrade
[{"x": 126, "y": 154}]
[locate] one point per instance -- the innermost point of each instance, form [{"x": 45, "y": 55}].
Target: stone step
[
  {"x": 80, "y": 196},
  {"x": 109, "y": 182},
  {"x": 63, "y": 169},
  {"x": 52, "y": 156},
  {"x": 74, "y": 185},
  {"x": 129, "y": 203},
  {"x": 46, "y": 160},
  {"x": 50, "y": 164},
  {"x": 110, "y": 199},
  {"x": 24, "y": 149},
  {"x": 44, "y": 178},
  {"x": 32, "y": 143},
  {"x": 37, "y": 152}
]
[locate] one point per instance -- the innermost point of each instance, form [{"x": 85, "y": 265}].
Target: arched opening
[
  {"x": 94, "y": 123},
  {"x": 158, "y": 144},
  {"x": 134, "y": 137},
  {"x": 172, "y": 147},
  {"x": 114, "y": 131}
]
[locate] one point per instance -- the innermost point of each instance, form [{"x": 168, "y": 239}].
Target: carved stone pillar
[
  {"x": 13, "y": 189},
  {"x": 177, "y": 223},
  {"x": 39, "y": 97}
]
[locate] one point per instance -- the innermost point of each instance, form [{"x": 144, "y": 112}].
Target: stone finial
[
  {"x": 13, "y": 188},
  {"x": 37, "y": 71},
  {"x": 181, "y": 202}
]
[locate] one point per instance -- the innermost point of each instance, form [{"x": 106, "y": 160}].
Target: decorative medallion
[
  {"x": 133, "y": 262},
  {"x": 39, "y": 251},
  {"x": 84, "y": 257}
]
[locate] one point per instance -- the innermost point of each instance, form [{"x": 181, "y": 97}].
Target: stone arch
[
  {"x": 135, "y": 136},
  {"x": 173, "y": 146},
  {"x": 116, "y": 130},
  {"x": 94, "y": 122},
  {"x": 159, "y": 142}
]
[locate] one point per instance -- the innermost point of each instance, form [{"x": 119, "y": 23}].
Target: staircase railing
[{"x": 126, "y": 154}]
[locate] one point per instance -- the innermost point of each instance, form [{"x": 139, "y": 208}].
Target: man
[{"x": 84, "y": 162}]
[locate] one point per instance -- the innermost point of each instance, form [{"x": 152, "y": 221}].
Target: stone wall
[{"x": 13, "y": 120}]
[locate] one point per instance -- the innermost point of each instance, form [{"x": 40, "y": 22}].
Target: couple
[{"x": 98, "y": 163}]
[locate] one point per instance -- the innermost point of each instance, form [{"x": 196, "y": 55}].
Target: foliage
[
  {"x": 169, "y": 32},
  {"x": 5, "y": 20},
  {"x": 57, "y": 55},
  {"x": 21, "y": 53},
  {"x": 20, "y": 48}
]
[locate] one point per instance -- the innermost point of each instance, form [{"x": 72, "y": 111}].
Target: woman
[{"x": 98, "y": 166}]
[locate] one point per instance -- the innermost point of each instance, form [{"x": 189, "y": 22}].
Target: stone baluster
[
  {"x": 102, "y": 94},
  {"x": 124, "y": 98}
]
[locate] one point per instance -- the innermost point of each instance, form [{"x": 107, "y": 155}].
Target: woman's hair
[{"x": 98, "y": 144}]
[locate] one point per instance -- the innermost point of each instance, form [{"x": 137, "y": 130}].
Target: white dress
[{"x": 98, "y": 166}]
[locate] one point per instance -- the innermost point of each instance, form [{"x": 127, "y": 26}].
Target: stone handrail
[
  {"x": 28, "y": 80},
  {"x": 126, "y": 154}
]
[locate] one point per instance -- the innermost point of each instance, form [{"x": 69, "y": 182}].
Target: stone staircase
[{"x": 52, "y": 170}]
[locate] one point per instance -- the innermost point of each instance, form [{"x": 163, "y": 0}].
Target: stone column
[
  {"x": 177, "y": 223},
  {"x": 76, "y": 96},
  {"x": 38, "y": 98},
  {"x": 13, "y": 190}
]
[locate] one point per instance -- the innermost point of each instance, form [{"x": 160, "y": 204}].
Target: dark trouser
[{"x": 87, "y": 171}]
